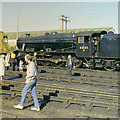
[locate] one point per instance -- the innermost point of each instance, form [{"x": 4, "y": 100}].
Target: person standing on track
[
  {"x": 13, "y": 56},
  {"x": 2, "y": 66},
  {"x": 35, "y": 59},
  {"x": 7, "y": 61},
  {"x": 70, "y": 64},
  {"x": 21, "y": 66},
  {"x": 31, "y": 80}
]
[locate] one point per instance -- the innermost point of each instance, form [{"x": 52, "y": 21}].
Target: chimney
[{"x": 27, "y": 35}]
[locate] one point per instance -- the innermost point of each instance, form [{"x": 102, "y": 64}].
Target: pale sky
[{"x": 38, "y": 16}]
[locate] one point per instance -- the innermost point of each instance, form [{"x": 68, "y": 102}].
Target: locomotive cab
[
  {"x": 95, "y": 43},
  {"x": 88, "y": 46},
  {"x": 83, "y": 46}
]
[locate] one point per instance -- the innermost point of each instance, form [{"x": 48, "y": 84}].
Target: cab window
[
  {"x": 80, "y": 39},
  {"x": 83, "y": 39},
  {"x": 5, "y": 39},
  {"x": 87, "y": 38}
]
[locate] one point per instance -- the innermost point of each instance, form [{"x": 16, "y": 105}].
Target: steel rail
[{"x": 68, "y": 89}]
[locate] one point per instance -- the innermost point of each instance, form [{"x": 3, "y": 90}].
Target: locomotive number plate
[{"x": 83, "y": 47}]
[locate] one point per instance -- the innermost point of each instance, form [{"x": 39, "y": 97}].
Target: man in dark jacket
[{"x": 70, "y": 64}]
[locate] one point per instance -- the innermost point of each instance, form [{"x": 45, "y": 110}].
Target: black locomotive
[{"x": 91, "y": 49}]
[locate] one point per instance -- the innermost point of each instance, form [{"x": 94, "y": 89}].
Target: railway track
[
  {"x": 84, "y": 71},
  {"x": 84, "y": 80},
  {"x": 92, "y": 91},
  {"x": 84, "y": 98}
]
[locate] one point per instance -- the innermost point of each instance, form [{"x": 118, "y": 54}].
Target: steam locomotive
[{"x": 90, "y": 49}]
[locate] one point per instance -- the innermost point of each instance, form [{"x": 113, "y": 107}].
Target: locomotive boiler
[{"x": 52, "y": 48}]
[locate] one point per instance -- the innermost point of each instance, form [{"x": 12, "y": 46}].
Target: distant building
[
  {"x": 12, "y": 35},
  {"x": 93, "y": 29}
]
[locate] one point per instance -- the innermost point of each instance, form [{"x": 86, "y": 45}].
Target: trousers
[
  {"x": 70, "y": 70},
  {"x": 31, "y": 85}
]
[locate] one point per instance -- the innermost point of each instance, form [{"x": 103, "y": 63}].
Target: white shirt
[
  {"x": 70, "y": 61},
  {"x": 2, "y": 66}
]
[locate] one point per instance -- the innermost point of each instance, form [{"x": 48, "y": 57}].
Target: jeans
[
  {"x": 70, "y": 70},
  {"x": 15, "y": 67},
  {"x": 27, "y": 87}
]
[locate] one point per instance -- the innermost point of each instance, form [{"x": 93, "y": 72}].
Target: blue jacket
[{"x": 68, "y": 62}]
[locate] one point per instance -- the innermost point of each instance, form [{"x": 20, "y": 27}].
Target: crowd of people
[
  {"x": 31, "y": 76},
  {"x": 16, "y": 63},
  {"x": 10, "y": 59}
]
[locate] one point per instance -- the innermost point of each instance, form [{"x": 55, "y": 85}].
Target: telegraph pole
[
  {"x": 62, "y": 23},
  {"x": 64, "y": 19},
  {"x": 18, "y": 19},
  {"x": 17, "y": 35}
]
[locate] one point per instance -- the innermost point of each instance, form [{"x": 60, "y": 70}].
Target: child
[
  {"x": 21, "y": 66},
  {"x": 15, "y": 65}
]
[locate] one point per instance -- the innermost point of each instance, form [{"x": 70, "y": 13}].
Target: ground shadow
[
  {"x": 46, "y": 99},
  {"x": 16, "y": 77},
  {"x": 76, "y": 74}
]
